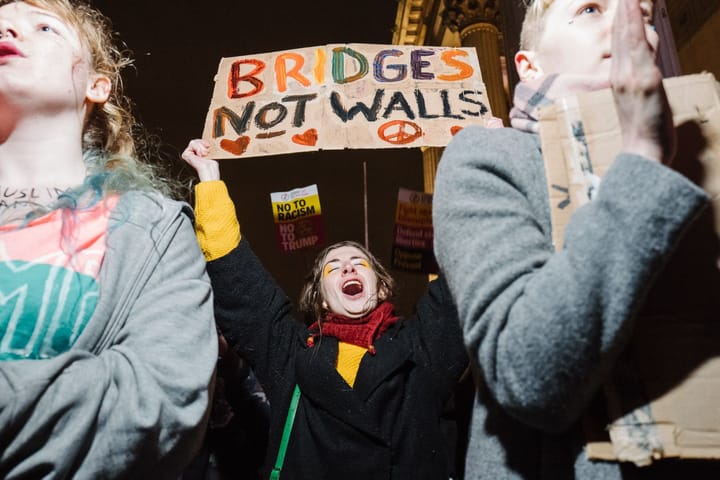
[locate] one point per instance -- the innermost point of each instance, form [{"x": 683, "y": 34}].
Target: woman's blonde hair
[{"x": 116, "y": 160}]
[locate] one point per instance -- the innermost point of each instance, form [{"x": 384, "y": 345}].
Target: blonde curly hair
[{"x": 115, "y": 158}]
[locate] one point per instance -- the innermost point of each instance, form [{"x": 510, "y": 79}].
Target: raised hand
[
  {"x": 640, "y": 99},
  {"x": 195, "y": 154}
]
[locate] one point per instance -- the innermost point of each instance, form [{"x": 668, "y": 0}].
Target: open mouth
[{"x": 352, "y": 287}]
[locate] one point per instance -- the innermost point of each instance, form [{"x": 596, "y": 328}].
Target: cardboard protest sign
[
  {"x": 298, "y": 218},
  {"x": 580, "y": 138},
  {"x": 663, "y": 399},
  {"x": 343, "y": 96},
  {"x": 413, "y": 244}
]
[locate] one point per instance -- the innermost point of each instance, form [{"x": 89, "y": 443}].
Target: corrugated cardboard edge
[
  {"x": 688, "y": 96},
  {"x": 556, "y": 138}
]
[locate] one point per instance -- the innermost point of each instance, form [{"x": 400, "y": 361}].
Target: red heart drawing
[
  {"x": 309, "y": 138},
  {"x": 236, "y": 147},
  {"x": 455, "y": 129}
]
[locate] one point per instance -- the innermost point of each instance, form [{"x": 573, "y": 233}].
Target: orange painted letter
[
  {"x": 281, "y": 73},
  {"x": 319, "y": 70},
  {"x": 465, "y": 70},
  {"x": 236, "y": 77}
]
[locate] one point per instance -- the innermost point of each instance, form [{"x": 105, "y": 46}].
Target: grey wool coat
[
  {"x": 130, "y": 398},
  {"x": 545, "y": 329}
]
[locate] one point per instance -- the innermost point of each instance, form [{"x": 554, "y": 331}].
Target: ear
[
  {"x": 98, "y": 89},
  {"x": 325, "y": 305},
  {"x": 382, "y": 293},
  {"x": 526, "y": 65}
]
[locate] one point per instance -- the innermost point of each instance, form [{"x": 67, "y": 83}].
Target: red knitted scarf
[{"x": 361, "y": 331}]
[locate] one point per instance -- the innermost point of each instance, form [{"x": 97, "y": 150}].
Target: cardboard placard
[
  {"x": 343, "y": 96},
  {"x": 663, "y": 399},
  {"x": 298, "y": 219},
  {"x": 413, "y": 242}
]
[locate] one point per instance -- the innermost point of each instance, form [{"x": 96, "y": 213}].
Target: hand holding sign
[
  {"x": 196, "y": 155},
  {"x": 343, "y": 96}
]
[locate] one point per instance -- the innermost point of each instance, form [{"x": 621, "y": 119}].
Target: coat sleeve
[
  {"x": 136, "y": 408},
  {"x": 254, "y": 314},
  {"x": 441, "y": 335},
  {"x": 545, "y": 328}
]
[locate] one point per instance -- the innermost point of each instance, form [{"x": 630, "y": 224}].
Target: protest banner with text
[
  {"x": 298, "y": 218},
  {"x": 344, "y": 96},
  {"x": 413, "y": 242}
]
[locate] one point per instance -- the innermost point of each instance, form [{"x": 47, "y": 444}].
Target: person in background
[
  {"x": 545, "y": 329},
  {"x": 371, "y": 386},
  {"x": 107, "y": 341},
  {"x": 236, "y": 440}
]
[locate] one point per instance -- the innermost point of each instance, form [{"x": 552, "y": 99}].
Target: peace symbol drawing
[{"x": 399, "y": 132}]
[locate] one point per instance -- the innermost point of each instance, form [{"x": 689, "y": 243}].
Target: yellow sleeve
[{"x": 216, "y": 224}]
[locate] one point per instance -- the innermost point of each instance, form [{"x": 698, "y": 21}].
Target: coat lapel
[
  {"x": 391, "y": 354},
  {"x": 320, "y": 382}
]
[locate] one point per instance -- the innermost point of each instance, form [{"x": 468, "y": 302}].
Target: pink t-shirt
[{"x": 49, "y": 280}]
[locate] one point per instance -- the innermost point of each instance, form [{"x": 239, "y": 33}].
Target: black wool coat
[{"x": 389, "y": 425}]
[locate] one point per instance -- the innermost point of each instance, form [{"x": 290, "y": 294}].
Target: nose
[
  {"x": 348, "y": 267},
  {"x": 7, "y": 29}
]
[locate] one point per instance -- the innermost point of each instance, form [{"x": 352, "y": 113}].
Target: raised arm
[
  {"x": 216, "y": 224},
  {"x": 441, "y": 335},
  {"x": 545, "y": 328},
  {"x": 252, "y": 311}
]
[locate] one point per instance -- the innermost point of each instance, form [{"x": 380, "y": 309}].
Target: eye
[
  {"x": 361, "y": 262},
  {"x": 589, "y": 9},
  {"x": 46, "y": 28},
  {"x": 329, "y": 269}
]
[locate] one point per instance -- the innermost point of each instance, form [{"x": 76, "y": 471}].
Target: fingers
[
  {"x": 642, "y": 107},
  {"x": 632, "y": 54},
  {"x": 629, "y": 18},
  {"x": 196, "y": 155},
  {"x": 196, "y": 148}
]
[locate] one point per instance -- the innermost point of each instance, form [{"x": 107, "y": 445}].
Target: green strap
[{"x": 275, "y": 474}]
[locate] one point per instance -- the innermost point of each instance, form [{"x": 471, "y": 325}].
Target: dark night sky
[{"x": 177, "y": 45}]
